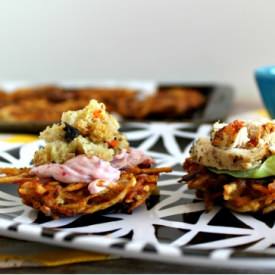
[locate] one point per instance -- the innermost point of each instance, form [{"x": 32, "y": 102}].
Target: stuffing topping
[
  {"x": 91, "y": 131},
  {"x": 239, "y": 145},
  {"x": 242, "y": 134},
  {"x": 235, "y": 166},
  {"x": 85, "y": 166}
]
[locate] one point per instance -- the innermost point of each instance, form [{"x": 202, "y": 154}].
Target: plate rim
[{"x": 156, "y": 251}]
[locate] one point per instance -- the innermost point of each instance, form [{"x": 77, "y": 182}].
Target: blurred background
[{"x": 171, "y": 40}]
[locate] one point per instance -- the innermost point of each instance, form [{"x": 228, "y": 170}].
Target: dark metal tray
[{"x": 218, "y": 103}]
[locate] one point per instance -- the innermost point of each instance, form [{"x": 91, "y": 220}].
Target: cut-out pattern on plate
[{"x": 174, "y": 222}]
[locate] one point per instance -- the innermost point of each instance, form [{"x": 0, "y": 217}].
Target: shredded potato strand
[
  {"x": 58, "y": 199},
  {"x": 241, "y": 195}
]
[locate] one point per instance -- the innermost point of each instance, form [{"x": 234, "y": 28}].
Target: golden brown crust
[
  {"x": 14, "y": 171},
  {"x": 32, "y": 104},
  {"x": 240, "y": 195},
  {"x": 57, "y": 199}
]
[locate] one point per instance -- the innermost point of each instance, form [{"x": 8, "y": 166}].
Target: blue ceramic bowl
[{"x": 265, "y": 78}]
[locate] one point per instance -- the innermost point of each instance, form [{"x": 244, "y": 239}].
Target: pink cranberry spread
[{"x": 98, "y": 173}]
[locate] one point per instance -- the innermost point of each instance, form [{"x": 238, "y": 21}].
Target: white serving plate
[{"x": 175, "y": 229}]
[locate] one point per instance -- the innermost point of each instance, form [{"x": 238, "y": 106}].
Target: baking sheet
[{"x": 217, "y": 107}]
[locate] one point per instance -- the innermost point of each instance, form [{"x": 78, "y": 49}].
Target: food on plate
[
  {"x": 170, "y": 103},
  {"x": 32, "y": 104},
  {"x": 3, "y": 97},
  {"x": 85, "y": 166},
  {"x": 235, "y": 166}
]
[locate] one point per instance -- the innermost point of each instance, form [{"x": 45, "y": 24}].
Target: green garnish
[{"x": 266, "y": 169}]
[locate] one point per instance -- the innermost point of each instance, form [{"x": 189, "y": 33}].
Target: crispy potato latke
[
  {"x": 240, "y": 195},
  {"x": 33, "y": 104},
  {"x": 58, "y": 199}
]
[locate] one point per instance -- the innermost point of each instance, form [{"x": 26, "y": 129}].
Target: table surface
[
  {"x": 123, "y": 266},
  {"x": 140, "y": 266}
]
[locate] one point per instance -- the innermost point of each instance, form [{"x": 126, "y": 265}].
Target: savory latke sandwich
[
  {"x": 235, "y": 166},
  {"x": 85, "y": 166}
]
